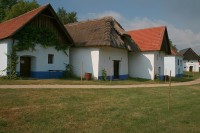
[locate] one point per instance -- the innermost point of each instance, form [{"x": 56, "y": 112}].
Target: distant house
[
  {"x": 154, "y": 46},
  {"x": 191, "y": 60},
  {"x": 41, "y": 62},
  {"x": 100, "y": 44},
  {"x": 173, "y": 63}
]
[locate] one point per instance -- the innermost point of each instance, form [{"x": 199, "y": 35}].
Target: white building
[
  {"x": 43, "y": 62},
  {"x": 154, "y": 46},
  {"x": 100, "y": 44},
  {"x": 173, "y": 63},
  {"x": 191, "y": 61}
]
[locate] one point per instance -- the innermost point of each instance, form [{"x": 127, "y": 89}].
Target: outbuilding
[
  {"x": 35, "y": 60},
  {"x": 173, "y": 63},
  {"x": 191, "y": 61},
  {"x": 154, "y": 46},
  {"x": 101, "y": 46}
]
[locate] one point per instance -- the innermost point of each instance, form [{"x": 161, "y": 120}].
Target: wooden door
[
  {"x": 191, "y": 68},
  {"x": 116, "y": 69},
  {"x": 25, "y": 66}
]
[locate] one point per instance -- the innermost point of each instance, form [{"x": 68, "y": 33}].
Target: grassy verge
[
  {"x": 74, "y": 82},
  {"x": 186, "y": 77},
  {"x": 100, "y": 110}
]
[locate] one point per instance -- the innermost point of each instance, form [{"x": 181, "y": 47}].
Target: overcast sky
[{"x": 180, "y": 16}]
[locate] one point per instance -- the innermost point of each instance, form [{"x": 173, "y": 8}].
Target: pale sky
[{"x": 180, "y": 16}]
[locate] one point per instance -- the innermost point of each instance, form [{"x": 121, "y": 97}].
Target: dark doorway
[
  {"x": 191, "y": 68},
  {"x": 116, "y": 69},
  {"x": 25, "y": 66}
]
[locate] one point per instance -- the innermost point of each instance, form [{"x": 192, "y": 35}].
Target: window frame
[{"x": 50, "y": 58}]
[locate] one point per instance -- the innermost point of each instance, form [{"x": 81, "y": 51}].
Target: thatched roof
[{"x": 100, "y": 32}]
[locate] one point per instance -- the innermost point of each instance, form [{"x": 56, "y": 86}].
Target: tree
[
  {"x": 66, "y": 17},
  {"x": 172, "y": 45},
  {"x": 5, "y": 5},
  {"x": 20, "y": 8}
]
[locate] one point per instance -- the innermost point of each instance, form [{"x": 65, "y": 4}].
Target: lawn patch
[{"x": 100, "y": 110}]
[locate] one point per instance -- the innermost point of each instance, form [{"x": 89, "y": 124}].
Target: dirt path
[{"x": 197, "y": 81}]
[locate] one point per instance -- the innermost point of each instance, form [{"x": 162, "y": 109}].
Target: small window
[
  {"x": 159, "y": 70},
  {"x": 50, "y": 58},
  {"x": 178, "y": 62}
]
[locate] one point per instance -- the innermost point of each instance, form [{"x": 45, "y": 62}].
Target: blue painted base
[
  {"x": 46, "y": 74},
  {"x": 162, "y": 77},
  {"x": 179, "y": 75},
  {"x": 121, "y": 77}
]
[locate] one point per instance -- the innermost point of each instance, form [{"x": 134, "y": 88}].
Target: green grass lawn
[
  {"x": 135, "y": 110},
  {"x": 186, "y": 77},
  {"x": 74, "y": 82}
]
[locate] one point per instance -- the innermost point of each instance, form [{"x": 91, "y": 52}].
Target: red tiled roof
[
  {"x": 8, "y": 28},
  {"x": 175, "y": 52},
  {"x": 149, "y": 39}
]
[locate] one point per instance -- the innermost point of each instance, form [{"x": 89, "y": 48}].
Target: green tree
[
  {"x": 172, "y": 45},
  {"x": 66, "y": 17},
  {"x": 5, "y": 5},
  {"x": 20, "y": 8}
]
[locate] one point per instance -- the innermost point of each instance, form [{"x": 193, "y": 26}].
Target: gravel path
[{"x": 197, "y": 81}]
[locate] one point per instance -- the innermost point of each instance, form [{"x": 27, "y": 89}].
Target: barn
[{"x": 34, "y": 59}]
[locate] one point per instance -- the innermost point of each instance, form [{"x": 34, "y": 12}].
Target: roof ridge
[
  {"x": 91, "y": 20},
  {"x": 26, "y": 13},
  {"x": 185, "y": 49}
]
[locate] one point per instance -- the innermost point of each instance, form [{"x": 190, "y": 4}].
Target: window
[
  {"x": 181, "y": 62},
  {"x": 50, "y": 58},
  {"x": 178, "y": 62},
  {"x": 159, "y": 71}
]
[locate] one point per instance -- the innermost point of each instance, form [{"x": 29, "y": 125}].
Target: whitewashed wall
[
  {"x": 39, "y": 60},
  {"x": 141, "y": 65},
  {"x": 169, "y": 63},
  {"x": 85, "y": 58},
  {"x": 179, "y": 68},
  {"x": 5, "y": 46},
  {"x": 189, "y": 63},
  {"x": 159, "y": 62},
  {"x": 108, "y": 55}
]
